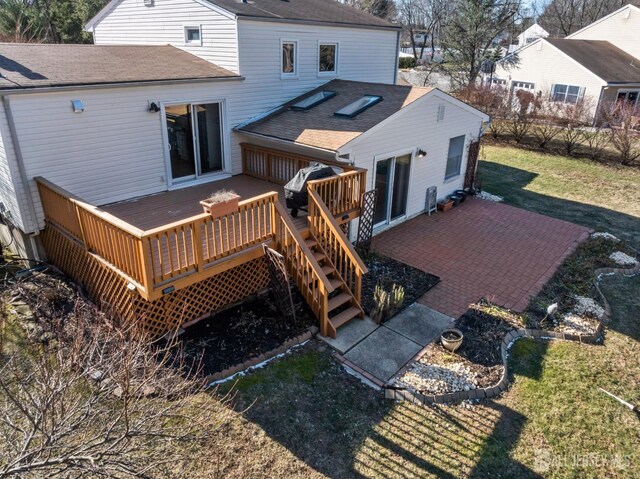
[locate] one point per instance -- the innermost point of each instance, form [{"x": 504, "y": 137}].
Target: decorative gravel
[
  {"x": 488, "y": 196},
  {"x": 623, "y": 259},
  {"x": 439, "y": 379},
  {"x": 573, "y": 324},
  {"x": 588, "y": 307},
  {"x": 604, "y": 235}
]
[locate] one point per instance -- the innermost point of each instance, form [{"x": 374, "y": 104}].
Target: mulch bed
[
  {"x": 389, "y": 271},
  {"x": 242, "y": 332}
]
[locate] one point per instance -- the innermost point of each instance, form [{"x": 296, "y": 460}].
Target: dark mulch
[
  {"x": 239, "y": 333},
  {"x": 484, "y": 327},
  {"x": 389, "y": 271}
]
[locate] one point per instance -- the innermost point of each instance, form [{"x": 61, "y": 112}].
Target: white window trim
[
  {"x": 336, "y": 62},
  {"x": 296, "y": 55},
  {"x": 227, "y": 165},
  {"x": 390, "y": 223},
  {"x": 630, "y": 90},
  {"x": 187, "y": 42},
  {"x": 566, "y": 93},
  {"x": 449, "y": 179}
]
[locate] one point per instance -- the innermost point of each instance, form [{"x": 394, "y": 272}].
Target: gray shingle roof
[
  {"x": 320, "y": 128},
  {"x": 322, "y": 11},
  {"x": 27, "y": 66},
  {"x": 602, "y": 58}
]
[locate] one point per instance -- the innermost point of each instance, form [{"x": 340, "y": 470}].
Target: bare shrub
[
  {"x": 546, "y": 125},
  {"x": 100, "y": 399},
  {"x": 624, "y": 120},
  {"x": 572, "y": 119},
  {"x": 522, "y": 115},
  {"x": 596, "y": 139},
  {"x": 492, "y": 100}
]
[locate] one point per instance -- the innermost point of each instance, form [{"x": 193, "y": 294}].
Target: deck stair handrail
[
  {"x": 304, "y": 268},
  {"x": 342, "y": 193},
  {"x": 341, "y": 253}
]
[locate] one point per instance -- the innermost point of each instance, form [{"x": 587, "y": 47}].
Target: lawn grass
[{"x": 583, "y": 191}]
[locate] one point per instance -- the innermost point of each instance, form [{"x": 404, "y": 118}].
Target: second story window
[
  {"x": 328, "y": 58},
  {"x": 289, "y": 66},
  {"x": 193, "y": 35}
]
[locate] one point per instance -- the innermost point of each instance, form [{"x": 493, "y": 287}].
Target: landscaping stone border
[
  {"x": 407, "y": 394},
  {"x": 256, "y": 360}
]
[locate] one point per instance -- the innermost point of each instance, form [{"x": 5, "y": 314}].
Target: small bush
[{"x": 406, "y": 62}]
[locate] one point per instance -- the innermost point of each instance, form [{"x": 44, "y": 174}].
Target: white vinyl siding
[
  {"x": 133, "y": 23},
  {"x": 543, "y": 65},
  {"x": 408, "y": 131},
  {"x": 620, "y": 29}
]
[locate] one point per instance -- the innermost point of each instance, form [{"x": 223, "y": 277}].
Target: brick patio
[{"x": 482, "y": 249}]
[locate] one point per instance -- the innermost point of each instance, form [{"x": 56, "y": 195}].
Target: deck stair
[{"x": 342, "y": 304}]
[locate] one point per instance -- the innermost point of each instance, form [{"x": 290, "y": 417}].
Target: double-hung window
[
  {"x": 327, "y": 59},
  {"x": 566, "y": 93},
  {"x": 289, "y": 59},
  {"x": 454, "y": 157}
]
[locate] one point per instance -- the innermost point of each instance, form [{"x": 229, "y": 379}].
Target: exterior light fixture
[
  {"x": 421, "y": 153},
  {"x": 77, "y": 105},
  {"x": 153, "y": 107}
]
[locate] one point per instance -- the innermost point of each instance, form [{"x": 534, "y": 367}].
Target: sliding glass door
[
  {"x": 392, "y": 177},
  {"x": 194, "y": 134}
]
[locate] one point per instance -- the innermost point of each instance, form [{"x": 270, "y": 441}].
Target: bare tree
[
  {"x": 573, "y": 119},
  {"x": 99, "y": 399},
  {"x": 492, "y": 100},
  {"x": 421, "y": 19},
  {"x": 596, "y": 139}
]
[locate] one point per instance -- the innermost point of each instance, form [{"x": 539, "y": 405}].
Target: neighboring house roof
[
  {"x": 33, "y": 66},
  {"x": 320, "y": 128},
  {"x": 601, "y": 58},
  {"x": 606, "y": 17},
  {"x": 306, "y": 11}
]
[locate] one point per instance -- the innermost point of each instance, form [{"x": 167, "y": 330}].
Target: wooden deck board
[{"x": 153, "y": 211}]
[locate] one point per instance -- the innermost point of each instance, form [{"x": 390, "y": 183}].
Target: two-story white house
[
  {"x": 601, "y": 62},
  {"x": 107, "y": 149}
]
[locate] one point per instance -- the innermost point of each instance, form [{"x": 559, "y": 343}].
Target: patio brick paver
[{"x": 482, "y": 249}]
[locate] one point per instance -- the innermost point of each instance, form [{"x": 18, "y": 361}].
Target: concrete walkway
[{"x": 382, "y": 350}]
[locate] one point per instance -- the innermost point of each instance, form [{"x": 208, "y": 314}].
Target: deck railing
[
  {"x": 342, "y": 193},
  {"x": 304, "y": 268},
  {"x": 335, "y": 244},
  {"x": 279, "y": 166},
  {"x": 172, "y": 256}
]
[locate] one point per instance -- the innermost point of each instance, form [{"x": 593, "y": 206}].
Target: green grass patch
[{"x": 599, "y": 196}]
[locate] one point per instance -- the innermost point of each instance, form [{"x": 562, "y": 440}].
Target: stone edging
[
  {"x": 252, "y": 362},
  {"x": 407, "y": 394}
]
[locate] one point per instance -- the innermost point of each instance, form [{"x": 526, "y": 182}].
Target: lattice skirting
[{"x": 109, "y": 290}]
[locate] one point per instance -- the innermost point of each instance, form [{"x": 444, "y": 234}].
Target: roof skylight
[
  {"x": 313, "y": 100},
  {"x": 355, "y": 108}
]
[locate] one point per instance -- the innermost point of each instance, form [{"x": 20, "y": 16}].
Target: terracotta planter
[
  {"x": 451, "y": 339},
  {"x": 220, "y": 208},
  {"x": 445, "y": 205}
]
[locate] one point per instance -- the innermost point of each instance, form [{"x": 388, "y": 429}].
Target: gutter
[
  {"x": 101, "y": 86},
  {"x": 20, "y": 160},
  {"x": 395, "y": 71}
]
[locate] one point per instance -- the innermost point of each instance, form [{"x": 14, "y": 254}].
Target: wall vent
[
  {"x": 440, "y": 112},
  {"x": 149, "y": 3}
]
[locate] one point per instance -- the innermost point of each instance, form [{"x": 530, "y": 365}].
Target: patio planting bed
[{"x": 242, "y": 332}]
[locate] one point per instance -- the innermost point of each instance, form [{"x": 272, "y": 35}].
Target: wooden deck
[{"x": 155, "y": 211}]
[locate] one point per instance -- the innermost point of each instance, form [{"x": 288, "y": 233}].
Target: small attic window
[
  {"x": 314, "y": 100},
  {"x": 355, "y": 108},
  {"x": 149, "y": 3},
  {"x": 193, "y": 35}
]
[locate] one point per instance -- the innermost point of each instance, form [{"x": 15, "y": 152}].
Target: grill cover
[{"x": 295, "y": 192}]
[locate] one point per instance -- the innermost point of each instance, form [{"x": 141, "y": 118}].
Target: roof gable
[{"x": 603, "y": 19}]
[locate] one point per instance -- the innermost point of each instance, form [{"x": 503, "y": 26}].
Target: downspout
[
  {"x": 20, "y": 161},
  {"x": 395, "y": 71},
  {"x": 598, "y": 105}
]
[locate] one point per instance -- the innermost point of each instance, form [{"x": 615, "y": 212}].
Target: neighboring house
[
  {"x": 531, "y": 34},
  {"x": 595, "y": 63},
  {"x": 106, "y": 151}
]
